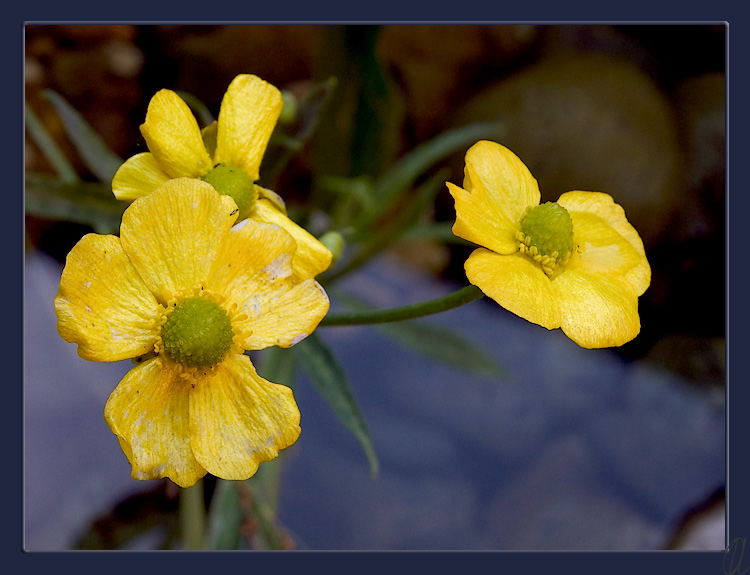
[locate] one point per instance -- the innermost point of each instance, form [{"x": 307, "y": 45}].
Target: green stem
[
  {"x": 193, "y": 516},
  {"x": 458, "y": 298}
]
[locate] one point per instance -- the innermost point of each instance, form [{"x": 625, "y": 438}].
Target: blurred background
[{"x": 569, "y": 448}]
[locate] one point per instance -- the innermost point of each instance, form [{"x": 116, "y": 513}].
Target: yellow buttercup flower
[
  {"x": 183, "y": 291},
  {"x": 227, "y": 154},
  {"x": 575, "y": 264}
]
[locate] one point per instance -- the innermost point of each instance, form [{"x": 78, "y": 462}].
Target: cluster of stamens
[
  {"x": 546, "y": 235},
  {"x": 197, "y": 329}
]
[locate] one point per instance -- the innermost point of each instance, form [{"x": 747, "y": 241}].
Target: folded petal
[
  {"x": 602, "y": 205},
  {"x": 103, "y": 304},
  {"x": 138, "y": 176},
  {"x": 517, "y": 283},
  {"x": 238, "y": 419},
  {"x": 311, "y": 257},
  {"x": 285, "y": 319},
  {"x": 597, "y": 310},
  {"x": 498, "y": 188},
  {"x": 173, "y": 235},
  {"x": 174, "y": 138},
  {"x": 248, "y": 114},
  {"x": 600, "y": 248},
  {"x": 479, "y": 220},
  {"x": 149, "y": 414}
]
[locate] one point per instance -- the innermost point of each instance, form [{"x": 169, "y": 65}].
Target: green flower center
[
  {"x": 235, "y": 183},
  {"x": 197, "y": 333},
  {"x": 547, "y": 235}
]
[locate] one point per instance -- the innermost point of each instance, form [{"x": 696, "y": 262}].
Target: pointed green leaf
[
  {"x": 399, "y": 178},
  {"x": 442, "y": 345},
  {"x": 225, "y": 517},
  {"x": 329, "y": 379},
  {"x": 88, "y": 203},
  {"x": 48, "y": 147},
  {"x": 102, "y": 162}
]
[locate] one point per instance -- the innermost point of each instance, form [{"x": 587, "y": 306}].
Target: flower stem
[
  {"x": 193, "y": 516},
  {"x": 450, "y": 301}
]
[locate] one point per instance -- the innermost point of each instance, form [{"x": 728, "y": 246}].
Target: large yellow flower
[
  {"x": 227, "y": 154},
  {"x": 576, "y": 263},
  {"x": 184, "y": 292}
]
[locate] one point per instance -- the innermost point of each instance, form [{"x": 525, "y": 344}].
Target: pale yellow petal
[
  {"x": 286, "y": 319},
  {"x": 600, "y": 248},
  {"x": 102, "y": 303},
  {"x": 174, "y": 138},
  {"x": 602, "y": 205},
  {"x": 238, "y": 419},
  {"x": 597, "y": 310},
  {"x": 248, "y": 114},
  {"x": 255, "y": 262},
  {"x": 517, "y": 283},
  {"x": 173, "y": 235},
  {"x": 311, "y": 257},
  {"x": 138, "y": 176},
  {"x": 498, "y": 188},
  {"x": 149, "y": 414}
]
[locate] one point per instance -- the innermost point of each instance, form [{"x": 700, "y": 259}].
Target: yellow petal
[
  {"x": 599, "y": 248},
  {"x": 311, "y": 257},
  {"x": 138, "y": 176},
  {"x": 173, "y": 235},
  {"x": 597, "y": 310},
  {"x": 285, "y": 319},
  {"x": 254, "y": 271},
  {"x": 602, "y": 205},
  {"x": 102, "y": 304},
  {"x": 238, "y": 419},
  {"x": 248, "y": 114},
  {"x": 498, "y": 188},
  {"x": 517, "y": 284},
  {"x": 478, "y": 220},
  {"x": 149, "y": 414},
  {"x": 174, "y": 138},
  {"x": 255, "y": 261}
]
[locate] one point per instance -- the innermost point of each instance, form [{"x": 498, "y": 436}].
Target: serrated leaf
[
  {"x": 443, "y": 345},
  {"x": 320, "y": 364},
  {"x": 102, "y": 162},
  {"x": 81, "y": 202}
]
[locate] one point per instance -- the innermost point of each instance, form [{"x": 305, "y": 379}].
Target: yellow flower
[
  {"x": 576, "y": 263},
  {"x": 184, "y": 292},
  {"x": 227, "y": 154}
]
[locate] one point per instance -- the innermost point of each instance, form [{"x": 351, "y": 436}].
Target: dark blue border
[{"x": 12, "y": 235}]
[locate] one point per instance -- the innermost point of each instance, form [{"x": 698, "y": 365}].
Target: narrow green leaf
[
  {"x": 48, "y": 147},
  {"x": 404, "y": 173},
  {"x": 89, "y": 203},
  {"x": 225, "y": 517},
  {"x": 378, "y": 241},
  {"x": 102, "y": 162},
  {"x": 329, "y": 379},
  {"x": 444, "y": 346}
]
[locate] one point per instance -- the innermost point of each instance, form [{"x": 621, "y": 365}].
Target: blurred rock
[
  {"x": 439, "y": 65},
  {"x": 591, "y": 122},
  {"x": 573, "y": 511}
]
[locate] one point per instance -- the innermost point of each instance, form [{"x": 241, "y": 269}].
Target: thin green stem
[
  {"x": 193, "y": 516},
  {"x": 458, "y": 298}
]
